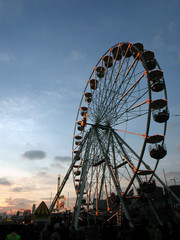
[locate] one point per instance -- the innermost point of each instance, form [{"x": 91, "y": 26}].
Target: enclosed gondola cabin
[
  {"x": 88, "y": 97},
  {"x": 93, "y": 84},
  {"x": 157, "y": 151},
  {"x": 108, "y": 61},
  {"x": 160, "y": 115},
  {"x": 100, "y": 72},
  {"x": 159, "y": 110},
  {"x": 136, "y": 48},
  {"x": 148, "y": 60},
  {"x": 157, "y": 80},
  {"x": 117, "y": 53},
  {"x": 126, "y": 50},
  {"x": 80, "y": 128}
]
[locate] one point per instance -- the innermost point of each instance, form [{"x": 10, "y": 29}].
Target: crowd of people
[{"x": 61, "y": 229}]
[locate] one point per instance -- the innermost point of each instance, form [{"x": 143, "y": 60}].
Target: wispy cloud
[
  {"x": 173, "y": 173},
  {"x": 170, "y": 34},
  {"x": 16, "y": 114},
  {"x": 19, "y": 202},
  {"x": 53, "y": 94},
  {"x": 76, "y": 55},
  {"x": 17, "y": 189},
  {"x": 16, "y": 105},
  {"x": 57, "y": 165},
  {"x": 26, "y": 188},
  {"x": 34, "y": 155},
  {"x": 158, "y": 41},
  {"x": 4, "y": 181},
  {"x": 42, "y": 173},
  {"x": 63, "y": 159}
]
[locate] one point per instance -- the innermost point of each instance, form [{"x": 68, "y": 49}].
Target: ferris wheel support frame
[
  {"x": 148, "y": 168},
  {"x": 115, "y": 181},
  {"x": 67, "y": 175},
  {"x": 83, "y": 176},
  {"x": 146, "y": 195},
  {"x": 139, "y": 180},
  {"x": 155, "y": 175},
  {"x": 104, "y": 168}
]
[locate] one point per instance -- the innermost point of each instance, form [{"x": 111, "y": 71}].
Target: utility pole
[
  {"x": 165, "y": 177},
  {"x": 68, "y": 201}
]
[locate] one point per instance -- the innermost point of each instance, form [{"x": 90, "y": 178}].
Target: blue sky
[{"x": 48, "y": 49}]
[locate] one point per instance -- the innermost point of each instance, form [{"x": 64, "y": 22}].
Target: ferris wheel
[
  {"x": 120, "y": 127},
  {"x": 119, "y": 134}
]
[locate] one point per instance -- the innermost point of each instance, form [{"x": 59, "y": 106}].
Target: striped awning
[{"x": 42, "y": 210}]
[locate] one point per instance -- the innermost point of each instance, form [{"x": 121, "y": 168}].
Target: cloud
[
  {"x": 4, "y": 181},
  {"x": 158, "y": 41},
  {"x": 19, "y": 202},
  {"x": 173, "y": 177},
  {"x": 53, "y": 94},
  {"x": 58, "y": 165},
  {"x": 16, "y": 113},
  {"x": 63, "y": 159},
  {"x": 17, "y": 189},
  {"x": 28, "y": 188},
  {"x": 34, "y": 154},
  {"x": 41, "y": 173},
  {"x": 173, "y": 173},
  {"x": 76, "y": 55}
]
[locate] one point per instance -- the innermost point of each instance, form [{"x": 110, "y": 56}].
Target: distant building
[
  {"x": 4, "y": 215},
  {"x": 33, "y": 208},
  {"x": 27, "y": 212}
]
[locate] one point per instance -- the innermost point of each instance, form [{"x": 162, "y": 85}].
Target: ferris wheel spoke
[
  {"x": 132, "y": 166},
  {"x": 128, "y": 109},
  {"x": 110, "y": 90},
  {"x": 133, "y": 86},
  {"x": 104, "y": 167},
  {"x": 133, "y": 102},
  {"x": 134, "y": 64},
  {"x": 134, "y": 153},
  {"x": 137, "y": 115},
  {"x": 127, "y": 81},
  {"x": 123, "y": 176},
  {"x": 124, "y": 142},
  {"x": 116, "y": 110},
  {"x": 116, "y": 184},
  {"x": 124, "y": 80},
  {"x": 114, "y": 157},
  {"x": 102, "y": 181},
  {"x": 133, "y": 133},
  {"x": 84, "y": 172},
  {"x": 121, "y": 65},
  {"x": 106, "y": 93},
  {"x": 103, "y": 83}
]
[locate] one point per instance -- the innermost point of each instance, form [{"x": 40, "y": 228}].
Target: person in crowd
[
  {"x": 159, "y": 233},
  {"x": 173, "y": 232},
  {"x": 13, "y": 236}
]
